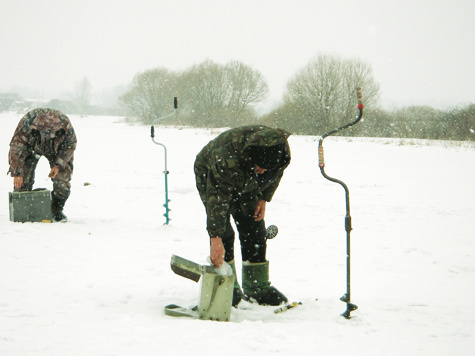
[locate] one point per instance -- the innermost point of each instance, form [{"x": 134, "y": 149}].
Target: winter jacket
[
  {"x": 42, "y": 132},
  {"x": 225, "y": 175}
]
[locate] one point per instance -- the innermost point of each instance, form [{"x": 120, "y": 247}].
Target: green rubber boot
[
  {"x": 256, "y": 285},
  {"x": 237, "y": 292}
]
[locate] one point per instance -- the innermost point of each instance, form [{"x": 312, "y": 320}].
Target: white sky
[{"x": 422, "y": 51}]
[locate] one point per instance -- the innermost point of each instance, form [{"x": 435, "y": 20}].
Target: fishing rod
[{"x": 346, "y": 298}]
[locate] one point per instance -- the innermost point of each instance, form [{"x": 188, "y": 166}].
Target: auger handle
[
  {"x": 359, "y": 97},
  {"x": 321, "y": 158}
]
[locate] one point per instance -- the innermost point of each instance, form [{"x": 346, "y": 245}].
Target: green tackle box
[{"x": 30, "y": 206}]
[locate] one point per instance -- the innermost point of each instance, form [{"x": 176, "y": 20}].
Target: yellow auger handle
[{"x": 321, "y": 158}]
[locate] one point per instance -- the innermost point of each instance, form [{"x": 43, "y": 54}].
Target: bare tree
[
  {"x": 210, "y": 94},
  {"x": 205, "y": 91},
  {"x": 222, "y": 95},
  {"x": 324, "y": 90},
  {"x": 247, "y": 86},
  {"x": 150, "y": 94}
]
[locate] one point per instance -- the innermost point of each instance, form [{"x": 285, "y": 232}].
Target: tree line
[
  {"x": 319, "y": 97},
  {"x": 210, "y": 94}
]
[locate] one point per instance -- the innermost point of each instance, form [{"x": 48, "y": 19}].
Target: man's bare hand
[
  {"x": 216, "y": 253},
  {"x": 54, "y": 172},
  {"x": 17, "y": 182},
  {"x": 260, "y": 211}
]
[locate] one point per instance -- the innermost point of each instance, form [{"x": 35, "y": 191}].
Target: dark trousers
[
  {"x": 252, "y": 236},
  {"x": 251, "y": 233}
]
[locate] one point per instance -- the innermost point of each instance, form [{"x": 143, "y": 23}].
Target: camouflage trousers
[{"x": 61, "y": 183}]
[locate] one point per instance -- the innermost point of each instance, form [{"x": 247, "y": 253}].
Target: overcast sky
[{"x": 422, "y": 51}]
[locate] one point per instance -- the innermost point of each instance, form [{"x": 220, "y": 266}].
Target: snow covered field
[{"x": 97, "y": 284}]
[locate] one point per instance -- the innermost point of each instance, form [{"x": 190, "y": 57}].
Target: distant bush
[
  {"x": 209, "y": 95},
  {"x": 422, "y": 122}
]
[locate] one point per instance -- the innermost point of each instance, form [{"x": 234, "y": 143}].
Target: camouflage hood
[
  {"x": 225, "y": 175},
  {"x": 267, "y": 137},
  {"x": 233, "y": 145},
  {"x": 48, "y": 122}
]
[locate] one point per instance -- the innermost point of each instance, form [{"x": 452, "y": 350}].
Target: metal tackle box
[{"x": 30, "y": 206}]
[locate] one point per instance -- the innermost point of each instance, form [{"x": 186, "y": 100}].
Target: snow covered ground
[{"x": 97, "y": 285}]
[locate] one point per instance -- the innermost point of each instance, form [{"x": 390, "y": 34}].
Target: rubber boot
[
  {"x": 237, "y": 292},
  {"x": 57, "y": 205},
  {"x": 256, "y": 285}
]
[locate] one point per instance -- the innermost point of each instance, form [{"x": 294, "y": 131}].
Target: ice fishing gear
[
  {"x": 321, "y": 163},
  {"x": 165, "y": 172},
  {"x": 271, "y": 232},
  {"x": 30, "y": 206},
  {"x": 287, "y": 307},
  {"x": 216, "y": 291}
]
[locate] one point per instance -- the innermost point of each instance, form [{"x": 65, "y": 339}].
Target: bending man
[
  {"x": 237, "y": 173},
  {"x": 48, "y": 133}
]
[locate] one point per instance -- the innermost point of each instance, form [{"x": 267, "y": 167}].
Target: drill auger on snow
[
  {"x": 165, "y": 172},
  {"x": 321, "y": 163}
]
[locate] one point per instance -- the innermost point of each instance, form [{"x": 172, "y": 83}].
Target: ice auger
[
  {"x": 321, "y": 163},
  {"x": 152, "y": 134}
]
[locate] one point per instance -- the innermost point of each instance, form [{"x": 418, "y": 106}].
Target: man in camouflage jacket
[
  {"x": 48, "y": 133},
  {"x": 236, "y": 174}
]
